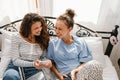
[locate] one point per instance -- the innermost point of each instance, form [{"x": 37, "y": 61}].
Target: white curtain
[
  {"x": 11, "y": 10},
  {"x": 109, "y": 15},
  {"x": 45, "y": 7}
]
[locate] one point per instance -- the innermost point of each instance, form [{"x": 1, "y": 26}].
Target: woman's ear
[{"x": 70, "y": 29}]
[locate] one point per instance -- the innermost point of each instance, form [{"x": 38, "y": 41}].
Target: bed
[{"x": 93, "y": 39}]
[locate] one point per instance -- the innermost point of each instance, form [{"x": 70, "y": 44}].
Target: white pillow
[
  {"x": 6, "y": 45},
  {"x": 6, "y": 41},
  {"x": 0, "y": 41},
  {"x": 95, "y": 45}
]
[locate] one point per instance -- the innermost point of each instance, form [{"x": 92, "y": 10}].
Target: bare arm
[
  {"x": 59, "y": 75},
  {"x": 73, "y": 72}
]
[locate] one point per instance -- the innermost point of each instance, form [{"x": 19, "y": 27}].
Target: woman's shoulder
[
  {"x": 78, "y": 39},
  {"x": 54, "y": 41}
]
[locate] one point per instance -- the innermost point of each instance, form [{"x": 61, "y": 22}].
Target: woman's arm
[
  {"x": 73, "y": 72},
  {"x": 78, "y": 68},
  {"x": 59, "y": 75},
  {"x": 15, "y": 52}
]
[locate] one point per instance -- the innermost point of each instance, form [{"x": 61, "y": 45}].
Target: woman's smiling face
[
  {"x": 36, "y": 29},
  {"x": 61, "y": 29}
]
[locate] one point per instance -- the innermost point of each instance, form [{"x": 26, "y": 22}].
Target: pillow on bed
[
  {"x": 95, "y": 45},
  {"x": 6, "y": 41},
  {"x": 0, "y": 41}
]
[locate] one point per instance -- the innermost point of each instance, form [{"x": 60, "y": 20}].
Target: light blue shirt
[{"x": 68, "y": 57}]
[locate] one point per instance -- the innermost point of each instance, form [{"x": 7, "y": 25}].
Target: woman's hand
[
  {"x": 73, "y": 74},
  {"x": 37, "y": 64},
  {"x": 47, "y": 63},
  {"x": 62, "y": 76},
  {"x": 40, "y": 64}
]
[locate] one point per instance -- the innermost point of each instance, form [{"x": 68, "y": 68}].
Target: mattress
[{"x": 109, "y": 72}]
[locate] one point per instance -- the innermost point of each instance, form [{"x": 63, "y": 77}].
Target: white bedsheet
[{"x": 109, "y": 72}]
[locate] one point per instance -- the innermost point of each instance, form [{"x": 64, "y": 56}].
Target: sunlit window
[{"x": 86, "y": 10}]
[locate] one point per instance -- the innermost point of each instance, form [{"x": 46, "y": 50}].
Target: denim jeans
[
  {"x": 30, "y": 71},
  {"x": 12, "y": 72}
]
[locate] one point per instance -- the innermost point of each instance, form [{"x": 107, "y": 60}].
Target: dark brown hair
[
  {"x": 68, "y": 17},
  {"x": 25, "y": 29}
]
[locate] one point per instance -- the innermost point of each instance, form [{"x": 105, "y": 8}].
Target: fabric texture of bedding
[
  {"x": 92, "y": 70},
  {"x": 95, "y": 45},
  {"x": 109, "y": 72},
  {"x": 6, "y": 45}
]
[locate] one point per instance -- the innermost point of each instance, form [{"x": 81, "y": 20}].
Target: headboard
[{"x": 80, "y": 31}]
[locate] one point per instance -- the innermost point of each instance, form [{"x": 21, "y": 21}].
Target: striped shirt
[{"x": 24, "y": 53}]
